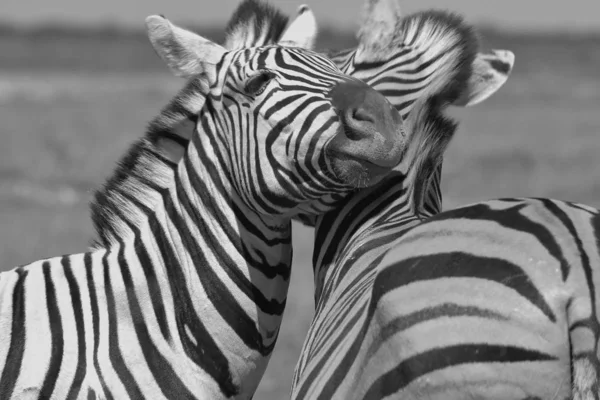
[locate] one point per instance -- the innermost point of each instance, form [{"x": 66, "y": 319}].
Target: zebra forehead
[{"x": 273, "y": 56}]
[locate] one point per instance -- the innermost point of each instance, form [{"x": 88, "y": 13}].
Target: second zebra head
[{"x": 282, "y": 125}]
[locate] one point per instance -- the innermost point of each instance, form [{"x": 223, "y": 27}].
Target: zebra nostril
[
  {"x": 358, "y": 123},
  {"x": 362, "y": 115}
]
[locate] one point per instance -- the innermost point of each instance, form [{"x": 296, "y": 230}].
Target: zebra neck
[
  {"x": 350, "y": 239},
  {"x": 226, "y": 271}
]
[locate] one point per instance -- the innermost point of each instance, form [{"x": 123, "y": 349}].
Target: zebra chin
[
  {"x": 358, "y": 172},
  {"x": 361, "y": 164}
]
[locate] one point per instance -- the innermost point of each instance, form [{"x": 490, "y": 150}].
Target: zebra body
[
  {"x": 515, "y": 310},
  {"x": 94, "y": 325},
  {"x": 188, "y": 303},
  {"x": 495, "y": 300}
]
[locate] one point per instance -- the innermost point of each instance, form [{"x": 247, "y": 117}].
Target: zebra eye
[{"x": 258, "y": 83}]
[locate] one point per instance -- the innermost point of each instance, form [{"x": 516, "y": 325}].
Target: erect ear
[
  {"x": 187, "y": 54},
  {"x": 302, "y": 31},
  {"x": 377, "y": 28},
  {"x": 490, "y": 72}
]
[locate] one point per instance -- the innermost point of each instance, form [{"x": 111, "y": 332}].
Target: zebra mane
[
  {"x": 254, "y": 22},
  {"x": 431, "y": 133},
  {"x": 148, "y": 165}
]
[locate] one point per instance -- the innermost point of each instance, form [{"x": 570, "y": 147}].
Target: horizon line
[{"x": 124, "y": 27}]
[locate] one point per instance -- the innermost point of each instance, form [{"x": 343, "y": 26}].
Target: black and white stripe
[
  {"x": 188, "y": 302},
  {"x": 516, "y": 299},
  {"x": 497, "y": 299}
]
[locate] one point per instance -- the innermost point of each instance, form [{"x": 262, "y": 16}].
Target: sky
[{"x": 546, "y": 15}]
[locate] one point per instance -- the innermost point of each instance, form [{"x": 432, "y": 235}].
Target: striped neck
[
  {"x": 361, "y": 229},
  {"x": 227, "y": 267},
  {"x": 349, "y": 244}
]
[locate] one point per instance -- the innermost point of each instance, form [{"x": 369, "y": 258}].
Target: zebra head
[
  {"x": 283, "y": 119},
  {"x": 408, "y": 58}
]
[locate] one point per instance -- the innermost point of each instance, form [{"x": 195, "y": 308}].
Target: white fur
[
  {"x": 378, "y": 24},
  {"x": 486, "y": 80},
  {"x": 187, "y": 54},
  {"x": 302, "y": 31}
]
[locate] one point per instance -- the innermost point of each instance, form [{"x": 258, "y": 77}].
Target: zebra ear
[
  {"x": 187, "y": 54},
  {"x": 377, "y": 28},
  {"x": 490, "y": 72},
  {"x": 302, "y": 31}
]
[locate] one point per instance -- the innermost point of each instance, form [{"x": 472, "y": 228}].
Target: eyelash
[{"x": 257, "y": 84}]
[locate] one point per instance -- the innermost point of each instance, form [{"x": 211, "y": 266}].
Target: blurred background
[{"x": 79, "y": 81}]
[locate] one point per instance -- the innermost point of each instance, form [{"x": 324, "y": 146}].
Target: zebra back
[{"x": 499, "y": 296}]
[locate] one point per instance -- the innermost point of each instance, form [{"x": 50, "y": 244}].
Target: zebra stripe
[
  {"x": 189, "y": 302},
  {"x": 515, "y": 310},
  {"x": 410, "y": 70}
]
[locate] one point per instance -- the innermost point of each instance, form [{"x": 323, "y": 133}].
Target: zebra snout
[
  {"x": 371, "y": 128},
  {"x": 369, "y": 143}
]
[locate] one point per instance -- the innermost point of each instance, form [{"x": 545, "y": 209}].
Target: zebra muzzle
[{"x": 371, "y": 140}]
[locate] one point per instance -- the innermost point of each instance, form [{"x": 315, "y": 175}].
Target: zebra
[
  {"x": 188, "y": 304},
  {"x": 494, "y": 300},
  {"x": 404, "y": 71}
]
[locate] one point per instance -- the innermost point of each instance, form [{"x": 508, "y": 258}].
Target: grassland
[{"x": 71, "y": 103}]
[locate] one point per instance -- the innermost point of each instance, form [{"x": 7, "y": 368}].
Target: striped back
[
  {"x": 411, "y": 69},
  {"x": 499, "y": 296},
  {"x": 351, "y": 240}
]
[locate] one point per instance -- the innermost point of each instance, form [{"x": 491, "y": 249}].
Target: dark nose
[
  {"x": 365, "y": 113},
  {"x": 370, "y": 140}
]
